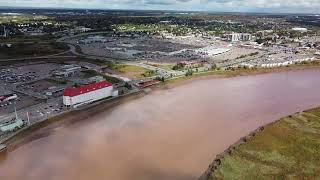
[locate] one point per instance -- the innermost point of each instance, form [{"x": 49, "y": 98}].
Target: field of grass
[
  {"x": 287, "y": 149},
  {"x": 25, "y": 47},
  {"x": 22, "y": 50},
  {"x": 129, "y": 70},
  {"x": 21, "y": 18},
  {"x": 162, "y": 65}
]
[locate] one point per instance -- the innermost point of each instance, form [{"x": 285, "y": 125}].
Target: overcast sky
[{"x": 285, "y": 6}]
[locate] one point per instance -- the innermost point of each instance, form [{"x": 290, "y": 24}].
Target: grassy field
[
  {"x": 26, "y": 47},
  {"x": 129, "y": 70},
  {"x": 21, "y": 18},
  {"x": 287, "y": 149},
  {"x": 161, "y": 65},
  {"x": 22, "y": 50}
]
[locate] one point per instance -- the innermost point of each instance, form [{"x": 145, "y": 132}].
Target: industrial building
[
  {"x": 210, "y": 51},
  {"x": 67, "y": 71},
  {"x": 74, "y": 96},
  {"x": 93, "y": 39}
]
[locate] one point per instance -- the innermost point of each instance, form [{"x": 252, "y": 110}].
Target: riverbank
[
  {"x": 287, "y": 148},
  {"x": 65, "y": 119},
  {"x": 68, "y": 117},
  {"x": 239, "y": 72},
  {"x": 167, "y": 134}
]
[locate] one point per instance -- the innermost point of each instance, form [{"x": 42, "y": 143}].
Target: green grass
[
  {"x": 287, "y": 149},
  {"x": 161, "y": 65},
  {"x": 130, "y": 70},
  {"x": 23, "y": 18},
  {"x": 20, "y": 50}
]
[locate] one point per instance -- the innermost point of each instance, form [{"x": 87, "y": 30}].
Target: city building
[
  {"x": 93, "y": 39},
  {"x": 233, "y": 37},
  {"x": 67, "y": 71},
  {"x": 192, "y": 64},
  {"x": 74, "y": 96},
  {"x": 71, "y": 67},
  {"x": 300, "y": 29},
  {"x": 54, "y": 91},
  {"x": 81, "y": 29},
  {"x": 8, "y": 97},
  {"x": 4, "y": 33},
  {"x": 245, "y": 37},
  {"x": 210, "y": 51}
]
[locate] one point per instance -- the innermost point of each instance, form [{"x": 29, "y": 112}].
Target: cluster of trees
[
  {"x": 189, "y": 73},
  {"x": 149, "y": 73},
  {"x": 162, "y": 79},
  {"x": 178, "y": 67}
]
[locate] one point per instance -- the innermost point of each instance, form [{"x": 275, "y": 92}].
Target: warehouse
[{"x": 89, "y": 93}]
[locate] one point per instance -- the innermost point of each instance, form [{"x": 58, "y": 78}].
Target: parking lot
[
  {"x": 24, "y": 73},
  {"x": 145, "y": 47}
]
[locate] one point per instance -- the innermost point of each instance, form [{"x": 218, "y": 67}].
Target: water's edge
[{"x": 217, "y": 160}]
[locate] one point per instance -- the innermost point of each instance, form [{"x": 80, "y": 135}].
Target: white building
[
  {"x": 210, "y": 51},
  {"x": 67, "y": 71},
  {"x": 74, "y": 96},
  {"x": 245, "y": 37},
  {"x": 239, "y": 37},
  {"x": 300, "y": 29},
  {"x": 93, "y": 39}
]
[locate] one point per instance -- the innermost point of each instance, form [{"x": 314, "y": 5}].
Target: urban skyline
[{"x": 263, "y": 6}]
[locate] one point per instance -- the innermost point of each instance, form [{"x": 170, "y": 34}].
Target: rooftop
[{"x": 76, "y": 91}]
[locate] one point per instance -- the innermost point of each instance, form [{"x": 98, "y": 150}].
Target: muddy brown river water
[{"x": 168, "y": 134}]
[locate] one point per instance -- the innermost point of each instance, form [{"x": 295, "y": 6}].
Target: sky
[{"x": 276, "y": 6}]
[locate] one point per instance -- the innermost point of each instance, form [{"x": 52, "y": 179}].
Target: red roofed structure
[
  {"x": 76, "y": 91},
  {"x": 88, "y": 93}
]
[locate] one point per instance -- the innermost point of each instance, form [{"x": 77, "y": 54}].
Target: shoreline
[
  {"x": 215, "y": 164},
  {"x": 24, "y": 135},
  {"x": 217, "y": 161},
  {"x": 68, "y": 117}
]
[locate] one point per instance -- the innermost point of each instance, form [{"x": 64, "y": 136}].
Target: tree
[
  {"x": 177, "y": 67},
  {"x": 160, "y": 78},
  {"x": 189, "y": 73},
  {"x": 260, "y": 41},
  {"x": 214, "y": 66}
]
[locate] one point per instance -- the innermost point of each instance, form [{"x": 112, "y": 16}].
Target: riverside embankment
[{"x": 172, "y": 133}]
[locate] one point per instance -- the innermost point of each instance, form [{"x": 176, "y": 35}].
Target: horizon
[
  {"x": 156, "y": 10},
  {"x": 232, "y": 6}
]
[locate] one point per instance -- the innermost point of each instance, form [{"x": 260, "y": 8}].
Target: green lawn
[
  {"x": 287, "y": 149},
  {"x": 21, "y": 50},
  {"x": 161, "y": 65},
  {"x": 130, "y": 70}
]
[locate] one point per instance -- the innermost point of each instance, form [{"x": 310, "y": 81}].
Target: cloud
[{"x": 299, "y": 6}]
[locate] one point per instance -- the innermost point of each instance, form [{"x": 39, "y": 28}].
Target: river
[{"x": 168, "y": 134}]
